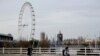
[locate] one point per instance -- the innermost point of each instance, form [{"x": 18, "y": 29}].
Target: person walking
[
  {"x": 66, "y": 52},
  {"x": 29, "y": 51}
]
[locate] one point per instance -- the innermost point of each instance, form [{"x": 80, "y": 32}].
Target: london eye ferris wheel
[{"x": 21, "y": 25}]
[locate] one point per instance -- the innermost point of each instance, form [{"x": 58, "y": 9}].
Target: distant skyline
[{"x": 73, "y": 17}]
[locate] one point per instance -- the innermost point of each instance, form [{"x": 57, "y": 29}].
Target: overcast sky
[{"x": 73, "y": 17}]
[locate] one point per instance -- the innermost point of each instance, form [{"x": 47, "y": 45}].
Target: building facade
[{"x": 6, "y": 40}]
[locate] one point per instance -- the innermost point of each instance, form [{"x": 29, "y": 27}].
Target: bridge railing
[{"x": 76, "y": 51}]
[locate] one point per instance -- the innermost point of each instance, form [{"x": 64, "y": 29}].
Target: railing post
[
  {"x": 50, "y": 51},
  {"x": 20, "y": 50},
  {"x": 3, "y": 50},
  {"x": 39, "y": 50},
  {"x": 85, "y": 51},
  {"x": 99, "y": 53}
]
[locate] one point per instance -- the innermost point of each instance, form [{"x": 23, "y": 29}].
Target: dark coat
[
  {"x": 65, "y": 52},
  {"x": 29, "y": 51}
]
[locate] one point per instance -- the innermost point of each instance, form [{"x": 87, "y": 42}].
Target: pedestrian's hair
[{"x": 66, "y": 48}]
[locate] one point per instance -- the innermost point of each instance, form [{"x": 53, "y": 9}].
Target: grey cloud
[{"x": 72, "y": 17}]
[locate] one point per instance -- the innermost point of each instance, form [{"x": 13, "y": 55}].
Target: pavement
[
  {"x": 40, "y": 55},
  {"x": 32, "y": 55}
]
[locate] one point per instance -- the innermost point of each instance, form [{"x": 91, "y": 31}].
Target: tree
[{"x": 44, "y": 41}]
